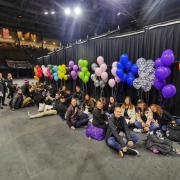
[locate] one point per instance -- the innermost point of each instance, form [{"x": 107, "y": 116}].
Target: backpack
[
  {"x": 173, "y": 132},
  {"x": 164, "y": 146}
]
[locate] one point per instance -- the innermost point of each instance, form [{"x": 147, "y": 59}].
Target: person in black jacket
[
  {"x": 79, "y": 95},
  {"x": 99, "y": 116},
  {"x": 111, "y": 105},
  {"x": 161, "y": 117},
  {"x": 3, "y": 90},
  {"x": 10, "y": 85},
  {"x": 118, "y": 136},
  {"x": 17, "y": 100},
  {"x": 88, "y": 104}
]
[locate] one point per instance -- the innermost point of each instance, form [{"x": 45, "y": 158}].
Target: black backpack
[
  {"x": 164, "y": 146},
  {"x": 173, "y": 132}
]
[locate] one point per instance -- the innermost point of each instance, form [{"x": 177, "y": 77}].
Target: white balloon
[{"x": 141, "y": 62}]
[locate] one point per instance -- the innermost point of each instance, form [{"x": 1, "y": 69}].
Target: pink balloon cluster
[
  {"x": 112, "y": 82},
  {"x": 100, "y": 71}
]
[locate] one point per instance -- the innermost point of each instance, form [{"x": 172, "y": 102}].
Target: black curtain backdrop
[{"x": 148, "y": 43}]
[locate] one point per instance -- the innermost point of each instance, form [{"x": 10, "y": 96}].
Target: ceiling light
[
  {"x": 46, "y": 12},
  {"x": 67, "y": 11},
  {"x": 53, "y": 12},
  {"x": 118, "y": 14},
  {"x": 77, "y": 10}
]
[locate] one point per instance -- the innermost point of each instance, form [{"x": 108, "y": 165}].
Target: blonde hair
[
  {"x": 158, "y": 109},
  {"x": 130, "y": 103}
]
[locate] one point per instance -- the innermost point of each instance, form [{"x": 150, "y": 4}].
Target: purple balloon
[
  {"x": 71, "y": 63},
  {"x": 168, "y": 91},
  {"x": 158, "y": 63},
  {"x": 162, "y": 73},
  {"x": 73, "y": 73},
  {"x": 159, "y": 84},
  {"x": 167, "y": 57},
  {"x": 75, "y": 67}
]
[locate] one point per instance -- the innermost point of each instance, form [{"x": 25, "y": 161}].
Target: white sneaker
[{"x": 137, "y": 130}]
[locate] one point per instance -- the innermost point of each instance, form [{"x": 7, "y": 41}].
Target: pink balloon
[
  {"x": 104, "y": 76},
  {"x": 113, "y": 71},
  {"x": 100, "y": 60},
  {"x": 114, "y": 64},
  {"x": 111, "y": 83},
  {"x": 103, "y": 67},
  {"x": 117, "y": 79},
  {"x": 98, "y": 71}
]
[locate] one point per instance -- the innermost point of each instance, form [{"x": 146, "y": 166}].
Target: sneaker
[
  {"x": 137, "y": 130},
  {"x": 132, "y": 152},
  {"x": 121, "y": 154},
  {"x": 1, "y": 107}
]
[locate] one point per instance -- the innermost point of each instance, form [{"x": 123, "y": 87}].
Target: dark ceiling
[{"x": 98, "y": 16}]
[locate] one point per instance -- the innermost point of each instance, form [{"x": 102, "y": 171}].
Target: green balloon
[
  {"x": 88, "y": 74},
  {"x": 85, "y": 63},
  {"x": 51, "y": 66},
  {"x": 81, "y": 63},
  {"x": 81, "y": 75},
  {"x": 86, "y": 79},
  {"x": 84, "y": 69}
]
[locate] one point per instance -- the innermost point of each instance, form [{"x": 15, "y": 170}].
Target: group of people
[{"x": 104, "y": 118}]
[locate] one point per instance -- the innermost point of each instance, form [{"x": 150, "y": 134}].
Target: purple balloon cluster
[
  {"x": 162, "y": 72},
  {"x": 74, "y": 69}
]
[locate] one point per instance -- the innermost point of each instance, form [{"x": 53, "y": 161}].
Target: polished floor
[{"x": 46, "y": 149}]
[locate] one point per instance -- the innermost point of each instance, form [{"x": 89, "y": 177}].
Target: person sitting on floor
[
  {"x": 62, "y": 91},
  {"x": 111, "y": 105},
  {"x": 79, "y": 95},
  {"x": 60, "y": 106},
  {"x": 104, "y": 101},
  {"x": 144, "y": 121},
  {"x": 75, "y": 118},
  {"x": 128, "y": 111},
  {"x": 162, "y": 118},
  {"x": 17, "y": 100},
  {"x": 10, "y": 85},
  {"x": 47, "y": 110},
  {"x": 98, "y": 128},
  {"x": 99, "y": 116},
  {"x": 68, "y": 96},
  {"x": 118, "y": 136},
  {"x": 88, "y": 104}
]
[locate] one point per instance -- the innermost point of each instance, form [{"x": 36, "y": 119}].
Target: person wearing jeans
[
  {"x": 118, "y": 136},
  {"x": 75, "y": 118}
]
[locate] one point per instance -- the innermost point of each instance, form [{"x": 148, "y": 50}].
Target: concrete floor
[{"x": 46, "y": 149}]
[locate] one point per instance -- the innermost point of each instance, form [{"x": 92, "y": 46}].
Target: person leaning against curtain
[
  {"x": 118, "y": 136},
  {"x": 161, "y": 117},
  {"x": 128, "y": 111},
  {"x": 75, "y": 118},
  {"x": 145, "y": 121}
]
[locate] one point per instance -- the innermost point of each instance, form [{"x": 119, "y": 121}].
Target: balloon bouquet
[
  {"x": 126, "y": 70},
  {"x": 114, "y": 81},
  {"x": 84, "y": 73},
  {"x": 38, "y": 72},
  {"x": 62, "y": 72},
  {"x": 146, "y": 76},
  {"x": 100, "y": 77},
  {"x": 162, "y": 72},
  {"x": 73, "y": 70}
]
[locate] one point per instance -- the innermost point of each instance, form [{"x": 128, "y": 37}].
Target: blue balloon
[
  {"x": 56, "y": 78},
  {"x": 130, "y": 74},
  {"x": 120, "y": 73},
  {"x": 124, "y": 59},
  {"x": 134, "y": 69},
  {"x": 124, "y": 77},
  {"x": 128, "y": 65},
  {"x": 130, "y": 80},
  {"x": 55, "y": 74},
  {"x": 55, "y": 68},
  {"x": 119, "y": 66}
]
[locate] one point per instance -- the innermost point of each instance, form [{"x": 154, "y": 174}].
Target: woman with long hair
[
  {"x": 128, "y": 111},
  {"x": 162, "y": 118}
]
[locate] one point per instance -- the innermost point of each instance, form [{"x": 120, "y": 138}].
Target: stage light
[
  {"x": 53, "y": 12},
  {"x": 118, "y": 14},
  {"x": 46, "y": 12},
  {"x": 67, "y": 11},
  {"x": 77, "y": 10}
]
